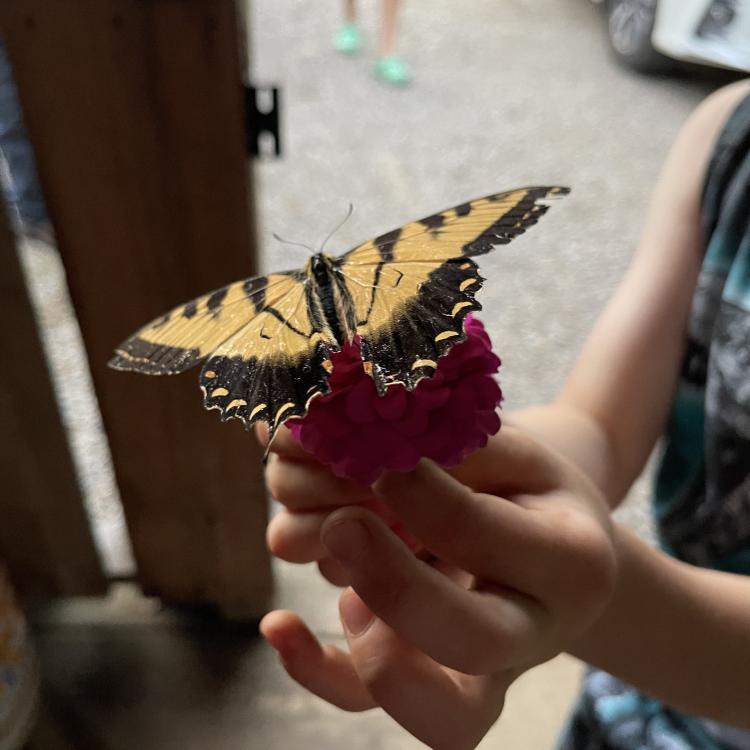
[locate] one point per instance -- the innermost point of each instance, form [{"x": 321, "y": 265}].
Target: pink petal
[
  {"x": 360, "y": 434},
  {"x": 414, "y": 422},
  {"x": 393, "y": 405},
  {"x": 431, "y": 398},
  {"x": 361, "y": 402}
]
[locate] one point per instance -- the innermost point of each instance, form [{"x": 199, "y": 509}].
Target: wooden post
[
  {"x": 134, "y": 110},
  {"x": 44, "y": 534}
]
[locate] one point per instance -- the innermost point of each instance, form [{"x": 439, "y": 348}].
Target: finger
[
  {"x": 548, "y": 554},
  {"x": 471, "y": 631},
  {"x": 511, "y": 462},
  {"x": 324, "y": 670},
  {"x": 333, "y": 572},
  {"x": 304, "y": 485},
  {"x": 439, "y": 707},
  {"x": 295, "y": 537},
  {"x": 283, "y": 443}
]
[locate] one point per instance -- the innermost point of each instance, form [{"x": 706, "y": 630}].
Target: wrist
[{"x": 678, "y": 633}]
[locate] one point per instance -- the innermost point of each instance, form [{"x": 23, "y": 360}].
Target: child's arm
[
  {"x": 614, "y": 404},
  {"x": 677, "y": 632}
]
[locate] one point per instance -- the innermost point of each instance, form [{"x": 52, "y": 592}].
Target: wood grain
[
  {"x": 44, "y": 534},
  {"x": 134, "y": 109}
]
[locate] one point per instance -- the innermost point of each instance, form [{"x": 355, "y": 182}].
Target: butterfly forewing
[
  {"x": 177, "y": 341},
  {"x": 469, "y": 229}
]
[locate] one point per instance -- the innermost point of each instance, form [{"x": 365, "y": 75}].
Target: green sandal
[
  {"x": 348, "y": 40},
  {"x": 392, "y": 71}
]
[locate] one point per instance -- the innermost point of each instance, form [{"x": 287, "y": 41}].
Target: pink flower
[{"x": 445, "y": 418}]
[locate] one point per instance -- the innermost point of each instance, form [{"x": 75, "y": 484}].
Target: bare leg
[
  {"x": 350, "y": 11},
  {"x": 347, "y": 40},
  {"x": 388, "y": 29},
  {"x": 389, "y": 68}
]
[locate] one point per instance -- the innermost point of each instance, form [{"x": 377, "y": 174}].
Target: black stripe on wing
[
  {"x": 156, "y": 357},
  {"x": 513, "y": 222},
  {"x": 138, "y": 355}
]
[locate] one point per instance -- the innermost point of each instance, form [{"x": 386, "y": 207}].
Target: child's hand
[
  {"x": 309, "y": 492},
  {"x": 520, "y": 572}
]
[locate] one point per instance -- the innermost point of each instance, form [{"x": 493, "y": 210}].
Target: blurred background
[{"x": 474, "y": 98}]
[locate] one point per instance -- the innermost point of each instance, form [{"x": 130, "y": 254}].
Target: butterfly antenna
[
  {"x": 290, "y": 242},
  {"x": 338, "y": 226}
]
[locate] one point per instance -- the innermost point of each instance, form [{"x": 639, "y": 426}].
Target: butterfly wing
[
  {"x": 273, "y": 366},
  {"x": 267, "y": 355},
  {"x": 413, "y": 287},
  {"x": 265, "y": 359},
  {"x": 177, "y": 341}
]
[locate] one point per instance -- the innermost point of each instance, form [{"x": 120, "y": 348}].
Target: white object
[{"x": 680, "y": 32}]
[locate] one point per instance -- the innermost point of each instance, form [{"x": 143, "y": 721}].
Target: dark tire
[{"x": 629, "y": 27}]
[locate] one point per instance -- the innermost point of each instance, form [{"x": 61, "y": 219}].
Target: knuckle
[
  {"x": 334, "y": 573},
  {"x": 488, "y": 646},
  {"x": 387, "y": 595},
  {"x": 284, "y": 483},
  {"x": 375, "y": 666},
  {"x": 591, "y": 560},
  {"x": 388, "y": 588},
  {"x": 294, "y": 538},
  {"x": 485, "y": 656},
  {"x": 373, "y": 669},
  {"x": 275, "y": 478}
]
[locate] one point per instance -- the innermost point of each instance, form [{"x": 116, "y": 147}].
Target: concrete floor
[
  {"x": 511, "y": 92},
  {"x": 122, "y": 673}
]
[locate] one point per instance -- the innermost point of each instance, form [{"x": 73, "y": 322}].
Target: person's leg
[
  {"x": 350, "y": 11},
  {"x": 23, "y": 191},
  {"x": 389, "y": 67},
  {"x": 388, "y": 28},
  {"x": 348, "y": 40}
]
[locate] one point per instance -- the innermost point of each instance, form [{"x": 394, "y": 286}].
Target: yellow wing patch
[
  {"x": 469, "y": 229},
  {"x": 273, "y": 366},
  {"x": 180, "y": 339}
]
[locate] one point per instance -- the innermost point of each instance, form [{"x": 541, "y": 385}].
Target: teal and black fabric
[{"x": 702, "y": 487}]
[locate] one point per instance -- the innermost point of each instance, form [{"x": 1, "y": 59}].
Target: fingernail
[
  {"x": 355, "y": 614},
  {"x": 346, "y": 540}
]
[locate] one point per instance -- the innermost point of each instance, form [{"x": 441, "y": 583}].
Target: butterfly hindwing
[{"x": 411, "y": 314}]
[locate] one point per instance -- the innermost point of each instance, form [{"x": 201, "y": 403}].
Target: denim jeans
[{"x": 22, "y": 188}]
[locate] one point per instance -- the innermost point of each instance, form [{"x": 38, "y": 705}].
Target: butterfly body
[
  {"x": 329, "y": 298},
  {"x": 266, "y": 342}
]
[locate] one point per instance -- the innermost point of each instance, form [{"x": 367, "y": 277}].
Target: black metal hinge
[{"x": 262, "y": 120}]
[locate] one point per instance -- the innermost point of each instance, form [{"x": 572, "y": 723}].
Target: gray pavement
[{"x": 506, "y": 93}]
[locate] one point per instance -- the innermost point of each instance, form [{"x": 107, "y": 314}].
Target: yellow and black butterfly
[{"x": 267, "y": 341}]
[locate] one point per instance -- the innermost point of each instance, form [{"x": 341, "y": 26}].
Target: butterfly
[{"x": 266, "y": 342}]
